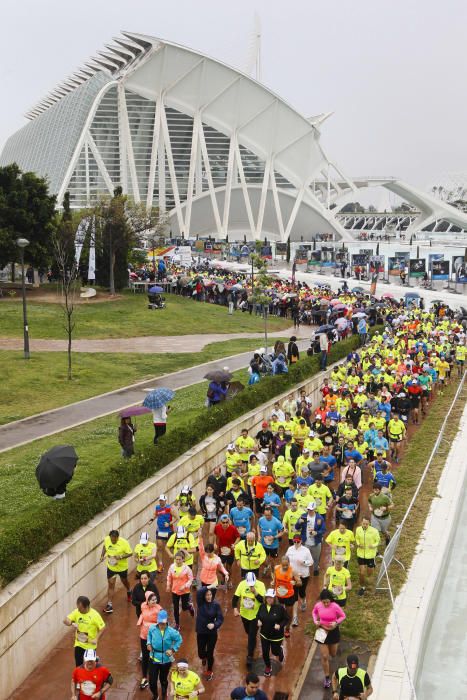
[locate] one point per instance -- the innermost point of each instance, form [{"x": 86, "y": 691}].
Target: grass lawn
[
  {"x": 40, "y": 383},
  {"x": 98, "y": 449},
  {"x": 367, "y": 617},
  {"x": 129, "y": 317}
]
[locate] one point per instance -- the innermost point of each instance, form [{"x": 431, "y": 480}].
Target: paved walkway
[
  {"x": 44, "y": 424},
  {"x": 144, "y": 344}
]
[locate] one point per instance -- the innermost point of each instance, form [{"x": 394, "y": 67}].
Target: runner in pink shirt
[
  {"x": 179, "y": 580},
  {"x": 148, "y": 617},
  {"x": 210, "y": 564},
  {"x": 327, "y": 615}
]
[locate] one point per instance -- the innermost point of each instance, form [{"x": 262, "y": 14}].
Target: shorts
[
  {"x": 271, "y": 552},
  {"x": 163, "y": 537},
  {"x": 112, "y": 574},
  {"x": 227, "y": 559},
  {"x": 370, "y": 563},
  {"x": 288, "y": 602},
  {"x": 397, "y": 438},
  {"x": 381, "y": 524},
  {"x": 459, "y": 362},
  {"x": 333, "y": 637},
  {"x": 341, "y": 602}
]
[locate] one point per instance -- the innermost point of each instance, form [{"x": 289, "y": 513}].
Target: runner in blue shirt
[
  {"x": 331, "y": 461},
  {"x": 273, "y": 500},
  {"x": 270, "y": 530},
  {"x": 241, "y": 517}
]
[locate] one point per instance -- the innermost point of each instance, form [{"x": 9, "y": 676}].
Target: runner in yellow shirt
[
  {"x": 89, "y": 627},
  {"x": 320, "y": 494},
  {"x": 341, "y": 540},
  {"x": 117, "y": 551},
  {"x": 337, "y": 580},
  {"x": 185, "y": 683}
]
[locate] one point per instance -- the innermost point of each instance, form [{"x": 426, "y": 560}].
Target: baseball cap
[
  {"x": 264, "y": 424},
  {"x": 225, "y": 518},
  {"x": 250, "y": 578},
  {"x": 162, "y": 497},
  {"x": 311, "y": 433},
  {"x": 185, "y": 488},
  {"x": 231, "y": 446},
  {"x": 270, "y": 593},
  {"x": 90, "y": 655},
  {"x": 352, "y": 661},
  {"x": 144, "y": 538},
  {"x": 311, "y": 505},
  {"x": 162, "y": 616},
  {"x": 263, "y": 469},
  {"x": 297, "y": 538}
]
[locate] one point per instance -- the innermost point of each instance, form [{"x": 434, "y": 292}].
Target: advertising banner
[
  {"x": 459, "y": 267},
  {"x": 376, "y": 263},
  {"x": 359, "y": 259},
  {"x": 281, "y": 248},
  {"x": 440, "y": 269},
  {"x": 315, "y": 258},
  {"x": 417, "y": 267}
]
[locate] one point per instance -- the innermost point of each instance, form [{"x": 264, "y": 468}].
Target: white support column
[
  {"x": 170, "y": 162},
  {"x": 191, "y": 176},
  {"x": 207, "y": 165},
  {"x": 154, "y": 153},
  {"x": 86, "y": 167},
  {"x": 229, "y": 180},
  {"x": 245, "y": 191},
  {"x": 126, "y": 134},
  {"x": 277, "y": 205},
  {"x": 294, "y": 211},
  {"x": 264, "y": 192},
  {"x": 101, "y": 165},
  {"x": 161, "y": 171}
]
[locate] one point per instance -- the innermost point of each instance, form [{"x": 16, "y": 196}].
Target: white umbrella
[{"x": 360, "y": 314}]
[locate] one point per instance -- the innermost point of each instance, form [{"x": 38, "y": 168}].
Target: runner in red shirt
[
  {"x": 227, "y": 537},
  {"x": 259, "y": 485},
  {"x": 90, "y": 680}
]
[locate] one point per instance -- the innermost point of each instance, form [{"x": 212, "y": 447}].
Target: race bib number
[
  {"x": 241, "y": 530},
  {"x": 82, "y": 637},
  {"x": 346, "y": 513},
  {"x": 269, "y": 539},
  {"x": 225, "y": 551},
  {"x": 281, "y": 479},
  {"x": 88, "y": 688},
  {"x": 318, "y": 502},
  {"x": 337, "y": 590},
  {"x": 378, "y": 512},
  {"x": 340, "y": 550},
  {"x": 210, "y": 507},
  {"x": 282, "y": 591},
  {"x": 248, "y": 603},
  {"x": 112, "y": 561},
  {"x": 320, "y": 635}
]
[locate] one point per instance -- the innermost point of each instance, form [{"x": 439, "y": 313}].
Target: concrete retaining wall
[{"x": 33, "y": 606}]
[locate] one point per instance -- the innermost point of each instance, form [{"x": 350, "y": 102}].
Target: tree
[
  {"x": 27, "y": 210},
  {"x": 65, "y": 259}
]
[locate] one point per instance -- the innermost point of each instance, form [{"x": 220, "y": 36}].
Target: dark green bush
[{"x": 22, "y": 546}]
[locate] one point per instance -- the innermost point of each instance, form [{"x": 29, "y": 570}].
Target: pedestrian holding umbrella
[
  {"x": 218, "y": 376},
  {"x": 55, "y": 470},
  {"x": 157, "y": 401}
]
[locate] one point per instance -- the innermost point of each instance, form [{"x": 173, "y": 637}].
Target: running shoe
[
  {"x": 267, "y": 672},
  {"x": 144, "y": 684},
  {"x": 230, "y": 584},
  {"x": 249, "y": 661},
  {"x": 160, "y": 568},
  {"x": 108, "y": 608},
  {"x": 327, "y": 682},
  {"x": 128, "y": 596},
  {"x": 209, "y": 675},
  {"x": 177, "y": 627},
  {"x": 361, "y": 591},
  {"x": 295, "y": 621},
  {"x": 303, "y": 606}
]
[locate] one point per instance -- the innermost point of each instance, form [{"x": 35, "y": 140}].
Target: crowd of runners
[{"x": 286, "y": 506}]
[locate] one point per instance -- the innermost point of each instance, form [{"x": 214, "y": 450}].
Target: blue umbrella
[
  {"x": 158, "y": 398},
  {"x": 156, "y": 290}
]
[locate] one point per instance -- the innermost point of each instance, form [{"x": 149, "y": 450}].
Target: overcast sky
[{"x": 393, "y": 71}]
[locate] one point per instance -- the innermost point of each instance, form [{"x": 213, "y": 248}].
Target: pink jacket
[
  {"x": 326, "y": 615},
  {"x": 209, "y": 566},
  {"x": 179, "y": 583},
  {"x": 148, "y": 616}
]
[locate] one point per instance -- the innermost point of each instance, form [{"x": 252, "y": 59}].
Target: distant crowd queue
[{"x": 297, "y": 499}]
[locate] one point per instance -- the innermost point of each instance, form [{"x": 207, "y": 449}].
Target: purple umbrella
[{"x": 134, "y": 411}]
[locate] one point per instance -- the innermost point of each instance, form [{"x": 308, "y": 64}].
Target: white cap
[
  {"x": 263, "y": 469},
  {"x": 185, "y": 488},
  {"x": 144, "y": 539},
  {"x": 306, "y": 450},
  {"x": 162, "y": 497},
  {"x": 250, "y": 578},
  {"x": 311, "y": 433},
  {"x": 311, "y": 505},
  {"x": 90, "y": 655},
  {"x": 231, "y": 446},
  {"x": 270, "y": 593},
  {"x": 181, "y": 532}
]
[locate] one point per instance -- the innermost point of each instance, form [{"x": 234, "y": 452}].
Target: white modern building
[{"x": 221, "y": 153}]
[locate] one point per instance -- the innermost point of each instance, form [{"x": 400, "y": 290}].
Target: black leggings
[
  {"x": 159, "y": 431},
  {"x": 301, "y": 590},
  {"x": 206, "y": 645},
  {"x": 144, "y": 657},
  {"x": 268, "y": 647},
  {"x": 79, "y": 656},
  {"x": 251, "y": 628},
  {"x": 185, "y": 599},
  {"x": 159, "y": 672}
]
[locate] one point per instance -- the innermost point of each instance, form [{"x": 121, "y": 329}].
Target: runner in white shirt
[{"x": 301, "y": 562}]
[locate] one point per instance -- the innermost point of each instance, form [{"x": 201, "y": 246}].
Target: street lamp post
[{"x": 22, "y": 243}]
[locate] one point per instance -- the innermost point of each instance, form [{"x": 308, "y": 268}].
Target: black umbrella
[
  {"x": 218, "y": 375},
  {"x": 56, "y": 466}
]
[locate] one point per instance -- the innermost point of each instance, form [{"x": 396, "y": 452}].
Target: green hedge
[{"x": 22, "y": 546}]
